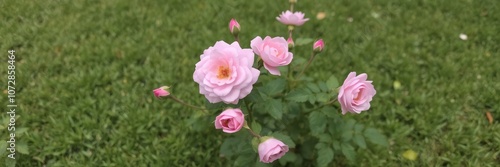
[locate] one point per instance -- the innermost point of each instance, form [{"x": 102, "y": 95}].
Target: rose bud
[
  {"x": 271, "y": 149},
  {"x": 161, "y": 92},
  {"x": 230, "y": 120}
]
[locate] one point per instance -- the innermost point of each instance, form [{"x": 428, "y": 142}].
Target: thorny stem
[{"x": 186, "y": 104}]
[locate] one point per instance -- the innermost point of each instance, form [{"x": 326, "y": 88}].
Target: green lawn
[{"x": 85, "y": 71}]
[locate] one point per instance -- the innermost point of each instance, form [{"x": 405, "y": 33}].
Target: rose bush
[{"x": 288, "y": 118}]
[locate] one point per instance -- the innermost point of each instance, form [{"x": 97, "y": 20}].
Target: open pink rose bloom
[
  {"x": 273, "y": 51},
  {"x": 356, "y": 93},
  {"x": 289, "y": 18},
  {"x": 271, "y": 150},
  {"x": 225, "y": 73},
  {"x": 230, "y": 120}
]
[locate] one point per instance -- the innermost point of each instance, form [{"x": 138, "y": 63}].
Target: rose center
[
  {"x": 359, "y": 95},
  {"x": 225, "y": 122},
  {"x": 275, "y": 52},
  {"x": 223, "y": 72}
]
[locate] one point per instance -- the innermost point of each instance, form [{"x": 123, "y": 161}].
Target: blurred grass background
[{"x": 85, "y": 71}]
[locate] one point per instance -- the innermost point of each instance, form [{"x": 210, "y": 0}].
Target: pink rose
[
  {"x": 230, "y": 120},
  {"x": 273, "y": 51},
  {"x": 289, "y": 18},
  {"x": 356, "y": 93},
  {"x": 225, "y": 73},
  {"x": 271, "y": 150},
  {"x": 161, "y": 92}
]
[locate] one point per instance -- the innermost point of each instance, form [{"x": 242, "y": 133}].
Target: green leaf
[
  {"x": 375, "y": 137},
  {"x": 228, "y": 146},
  {"x": 325, "y": 138},
  {"x": 358, "y": 128},
  {"x": 298, "y": 95},
  {"x": 320, "y": 145},
  {"x": 313, "y": 87},
  {"x": 285, "y": 139},
  {"x": 255, "y": 96},
  {"x": 256, "y": 127},
  {"x": 349, "y": 124},
  {"x": 274, "y": 87},
  {"x": 323, "y": 87},
  {"x": 245, "y": 160},
  {"x": 332, "y": 83},
  {"x": 317, "y": 122},
  {"x": 348, "y": 151},
  {"x": 275, "y": 108},
  {"x": 312, "y": 99},
  {"x": 330, "y": 112},
  {"x": 325, "y": 156},
  {"x": 260, "y": 164},
  {"x": 346, "y": 135},
  {"x": 288, "y": 157},
  {"x": 323, "y": 97},
  {"x": 336, "y": 145},
  {"x": 255, "y": 144},
  {"x": 303, "y": 41},
  {"x": 22, "y": 148},
  {"x": 359, "y": 140}
]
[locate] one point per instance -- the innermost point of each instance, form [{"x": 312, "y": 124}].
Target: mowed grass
[{"x": 85, "y": 71}]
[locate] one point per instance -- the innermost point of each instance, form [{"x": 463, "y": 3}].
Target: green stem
[
  {"x": 237, "y": 39},
  {"x": 249, "y": 111},
  {"x": 186, "y": 104},
  {"x": 323, "y": 105},
  {"x": 307, "y": 65},
  {"x": 251, "y": 131}
]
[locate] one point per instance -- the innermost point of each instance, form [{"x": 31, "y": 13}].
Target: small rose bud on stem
[
  {"x": 317, "y": 48},
  {"x": 290, "y": 42},
  {"x": 163, "y": 92},
  {"x": 234, "y": 28}
]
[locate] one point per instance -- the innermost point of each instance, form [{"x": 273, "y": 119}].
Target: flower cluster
[{"x": 228, "y": 72}]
